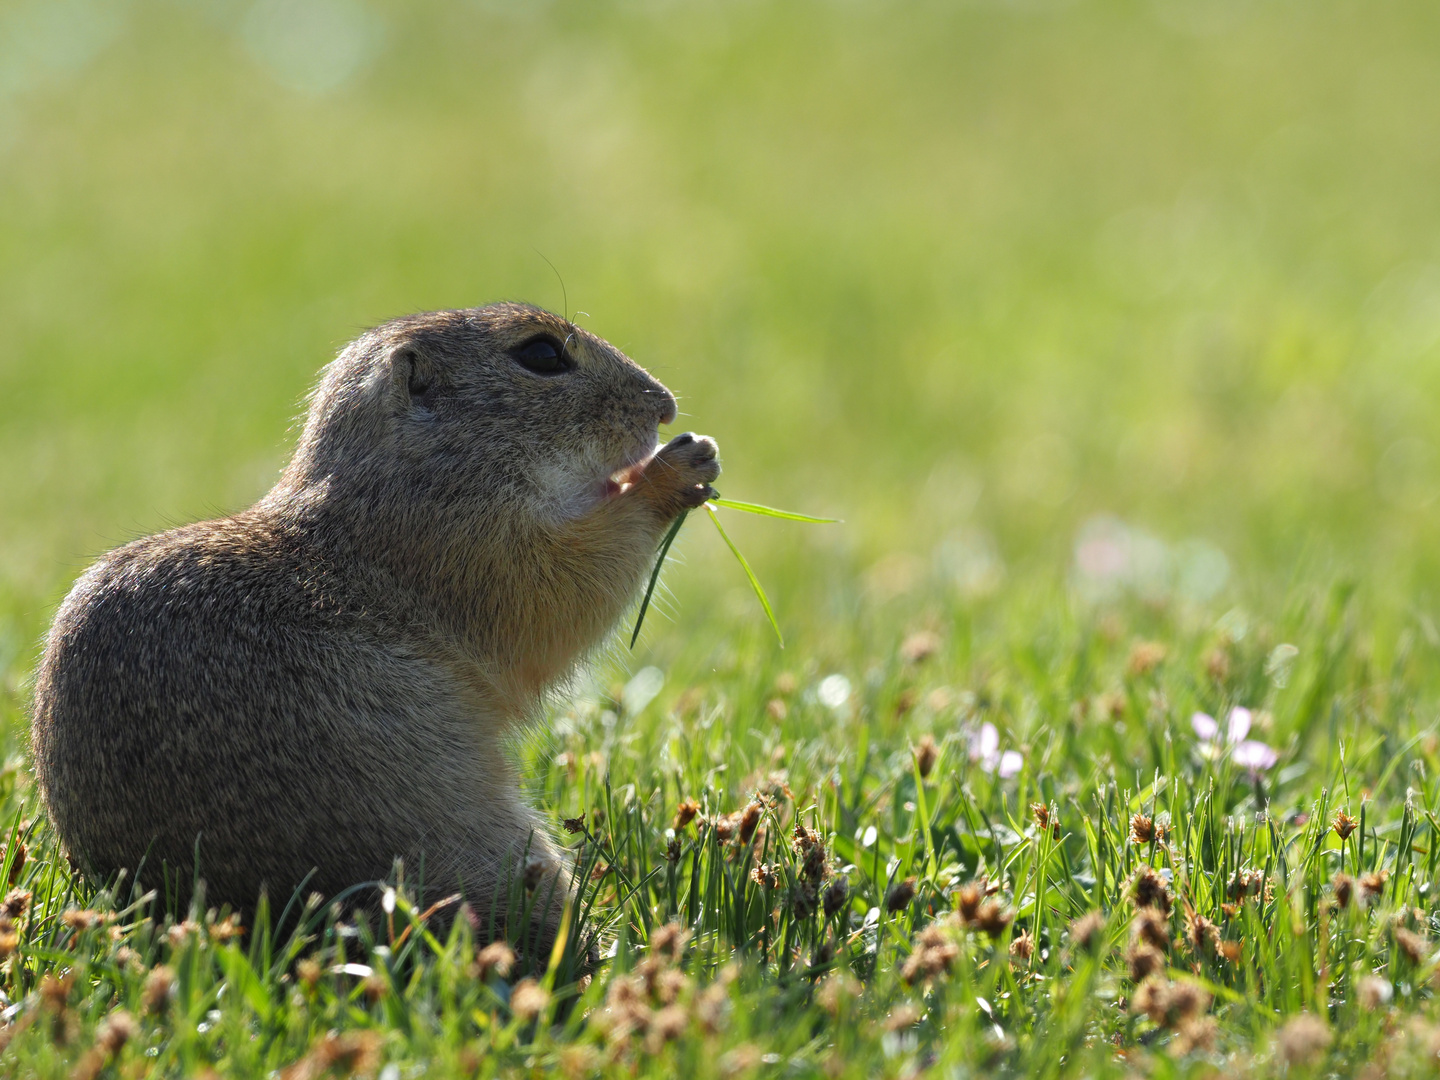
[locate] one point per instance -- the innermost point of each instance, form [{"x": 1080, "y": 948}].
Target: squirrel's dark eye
[{"x": 544, "y": 356}]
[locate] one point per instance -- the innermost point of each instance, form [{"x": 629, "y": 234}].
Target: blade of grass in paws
[
  {"x": 655, "y": 574},
  {"x": 754, "y": 581},
  {"x": 770, "y": 511}
]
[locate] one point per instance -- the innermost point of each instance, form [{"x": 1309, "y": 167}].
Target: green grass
[{"x": 1103, "y": 325}]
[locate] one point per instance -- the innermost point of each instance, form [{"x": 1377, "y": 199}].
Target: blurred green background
[{"x": 1138, "y": 295}]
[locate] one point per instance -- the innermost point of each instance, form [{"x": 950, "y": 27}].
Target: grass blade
[
  {"x": 754, "y": 581},
  {"x": 770, "y": 511},
  {"x": 655, "y": 574}
]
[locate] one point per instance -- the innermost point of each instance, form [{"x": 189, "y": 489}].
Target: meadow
[{"x": 1104, "y": 739}]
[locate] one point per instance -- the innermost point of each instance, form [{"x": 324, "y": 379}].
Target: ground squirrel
[{"x": 321, "y": 683}]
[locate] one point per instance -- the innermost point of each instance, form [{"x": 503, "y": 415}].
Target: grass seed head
[
  {"x": 1303, "y": 1040},
  {"x": 926, "y": 754},
  {"x": 935, "y": 950},
  {"x": 1344, "y": 824},
  {"x": 529, "y": 999},
  {"x": 1372, "y": 884},
  {"x": 667, "y": 1025},
  {"x": 1148, "y": 889},
  {"x": 835, "y": 990},
  {"x": 160, "y": 983},
  {"x": 1200, "y": 933},
  {"x": 1169, "y": 1003},
  {"x": 1145, "y": 657},
  {"x": 1411, "y": 945},
  {"x": 749, "y": 821},
  {"x": 117, "y": 1029},
  {"x": 904, "y": 1015},
  {"x": 919, "y": 647},
  {"x": 835, "y": 896},
  {"x": 1143, "y": 962},
  {"x": 575, "y": 824},
  {"x": 685, "y": 813},
  {"x": 1344, "y": 886},
  {"x": 1087, "y": 933},
  {"x": 668, "y": 941},
  {"x": 993, "y": 917},
  {"x": 1142, "y": 829},
  {"x": 804, "y": 899},
  {"x": 1022, "y": 946},
  {"x": 1229, "y": 951},
  {"x": 16, "y": 900},
  {"x": 18, "y": 864},
  {"x": 1374, "y": 992},
  {"x": 968, "y": 899},
  {"x": 1151, "y": 927},
  {"x": 899, "y": 895},
  {"x": 496, "y": 958}
]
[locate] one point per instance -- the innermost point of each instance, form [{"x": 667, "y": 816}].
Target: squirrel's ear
[{"x": 414, "y": 376}]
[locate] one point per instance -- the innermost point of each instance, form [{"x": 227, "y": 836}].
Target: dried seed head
[
  {"x": 308, "y": 971},
  {"x": 749, "y": 821},
  {"x": 54, "y": 993},
  {"x": 804, "y": 899},
  {"x": 901, "y": 1017},
  {"x": 535, "y": 868},
  {"x": 1087, "y": 933},
  {"x": 666, "y": 1025},
  {"x": 835, "y": 896},
  {"x": 934, "y": 952},
  {"x": 835, "y": 989},
  {"x": 1143, "y": 962},
  {"x": 1229, "y": 951},
  {"x": 900, "y": 894},
  {"x": 919, "y": 647},
  {"x": 528, "y": 999},
  {"x": 155, "y": 993},
  {"x": 766, "y": 875},
  {"x": 1374, "y": 993},
  {"x": 673, "y": 850},
  {"x": 1169, "y": 1003},
  {"x": 1145, "y": 657},
  {"x": 1148, "y": 889},
  {"x": 575, "y": 824},
  {"x": 926, "y": 753},
  {"x": 1303, "y": 1039},
  {"x": 497, "y": 957},
  {"x": 1022, "y": 946},
  {"x": 685, "y": 813},
  {"x": 993, "y": 917},
  {"x": 668, "y": 941},
  {"x": 1142, "y": 829},
  {"x": 1041, "y": 813},
  {"x": 1200, "y": 933},
  {"x": 18, "y": 863},
  {"x": 1344, "y": 824},
  {"x": 1344, "y": 886},
  {"x": 968, "y": 899},
  {"x": 1152, "y": 928},
  {"x": 1411, "y": 945},
  {"x": 776, "y": 709},
  {"x": 16, "y": 900},
  {"x": 1372, "y": 885},
  {"x": 117, "y": 1029}
]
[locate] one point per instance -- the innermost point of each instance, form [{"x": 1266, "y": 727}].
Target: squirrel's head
[{"x": 505, "y": 403}]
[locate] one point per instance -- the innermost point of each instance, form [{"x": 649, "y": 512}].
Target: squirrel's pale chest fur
[{"x": 319, "y": 685}]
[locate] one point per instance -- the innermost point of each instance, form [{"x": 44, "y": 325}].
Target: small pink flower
[
  {"x": 1254, "y": 756},
  {"x": 1247, "y": 753},
  {"x": 985, "y": 749}
]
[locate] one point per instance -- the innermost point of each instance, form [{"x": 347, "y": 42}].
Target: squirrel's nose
[{"x": 664, "y": 400}]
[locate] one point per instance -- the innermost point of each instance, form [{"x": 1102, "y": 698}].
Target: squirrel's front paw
[{"x": 679, "y": 476}]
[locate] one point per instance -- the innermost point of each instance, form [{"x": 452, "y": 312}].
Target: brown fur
[{"x": 323, "y": 681}]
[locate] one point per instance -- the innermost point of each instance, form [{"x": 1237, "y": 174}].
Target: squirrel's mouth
[{"x": 624, "y": 478}]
